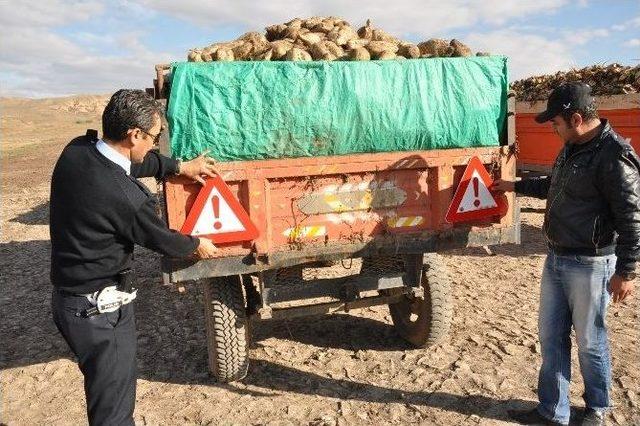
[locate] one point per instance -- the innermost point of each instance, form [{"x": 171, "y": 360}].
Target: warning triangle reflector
[
  {"x": 473, "y": 200},
  {"x": 218, "y": 215}
]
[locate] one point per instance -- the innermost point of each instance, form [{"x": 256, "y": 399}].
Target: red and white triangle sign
[
  {"x": 472, "y": 199},
  {"x": 218, "y": 215}
]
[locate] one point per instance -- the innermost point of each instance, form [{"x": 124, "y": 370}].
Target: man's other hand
[
  {"x": 620, "y": 288},
  {"x": 206, "y": 249},
  {"x": 500, "y": 185},
  {"x": 199, "y": 167}
]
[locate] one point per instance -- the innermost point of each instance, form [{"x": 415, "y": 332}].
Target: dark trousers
[{"x": 105, "y": 346}]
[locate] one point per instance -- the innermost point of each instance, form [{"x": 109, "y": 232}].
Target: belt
[
  {"x": 91, "y": 297},
  {"x": 108, "y": 299},
  {"x": 123, "y": 281},
  {"x": 583, "y": 251}
]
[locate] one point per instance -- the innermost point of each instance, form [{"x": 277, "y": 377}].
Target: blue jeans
[{"x": 574, "y": 292}]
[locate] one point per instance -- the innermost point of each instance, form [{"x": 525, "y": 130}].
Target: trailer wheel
[
  {"x": 424, "y": 322},
  {"x": 227, "y": 328}
]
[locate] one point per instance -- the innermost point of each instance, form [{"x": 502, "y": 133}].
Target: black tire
[
  {"x": 424, "y": 322},
  {"x": 227, "y": 328}
]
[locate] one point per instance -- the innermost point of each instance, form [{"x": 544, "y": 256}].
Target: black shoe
[
  {"x": 593, "y": 418},
  {"x": 530, "y": 417}
]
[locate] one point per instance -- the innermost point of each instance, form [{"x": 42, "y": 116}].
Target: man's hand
[
  {"x": 199, "y": 167},
  {"x": 206, "y": 249},
  {"x": 500, "y": 185},
  {"x": 620, "y": 288}
]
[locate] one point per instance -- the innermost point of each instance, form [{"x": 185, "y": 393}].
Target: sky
[{"x": 64, "y": 47}]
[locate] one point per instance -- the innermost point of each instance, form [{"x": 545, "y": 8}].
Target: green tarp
[{"x": 262, "y": 110}]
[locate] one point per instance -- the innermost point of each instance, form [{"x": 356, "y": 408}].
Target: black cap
[{"x": 567, "y": 97}]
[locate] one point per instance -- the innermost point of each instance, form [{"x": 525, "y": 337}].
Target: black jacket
[
  {"x": 98, "y": 213},
  {"x": 593, "y": 199}
]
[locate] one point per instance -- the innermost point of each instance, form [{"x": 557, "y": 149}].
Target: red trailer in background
[{"x": 539, "y": 145}]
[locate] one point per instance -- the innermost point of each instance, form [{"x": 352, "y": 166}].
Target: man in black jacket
[
  {"x": 592, "y": 227},
  {"x": 98, "y": 212}
]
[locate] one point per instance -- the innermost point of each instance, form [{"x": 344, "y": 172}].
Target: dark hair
[
  {"x": 129, "y": 109},
  {"x": 589, "y": 113}
]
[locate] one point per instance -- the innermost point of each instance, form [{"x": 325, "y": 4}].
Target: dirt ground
[{"x": 334, "y": 370}]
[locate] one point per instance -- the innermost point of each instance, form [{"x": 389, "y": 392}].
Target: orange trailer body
[
  {"x": 538, "y": 144},
  {"x": 308, "y": 209}
]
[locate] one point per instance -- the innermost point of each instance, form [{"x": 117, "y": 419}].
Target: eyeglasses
[{"x": 156, "y": 138}]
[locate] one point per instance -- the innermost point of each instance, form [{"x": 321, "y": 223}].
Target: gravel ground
[{"x": 332, "y": 370}]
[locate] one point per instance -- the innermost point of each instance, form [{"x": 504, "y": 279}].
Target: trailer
[
  {"x": 378, "y": 219},
  {"x": 539, "y": 146}
]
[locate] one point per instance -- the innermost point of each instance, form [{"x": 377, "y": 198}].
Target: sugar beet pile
[
  {"x": 327, "y": 39},
  {"x": 605, "y": 80},
  {"x": 332, "y": 38}
]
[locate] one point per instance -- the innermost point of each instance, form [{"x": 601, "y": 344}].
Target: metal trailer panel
[
  {"x": 334, "y": 207},
  {"x": 539, "y": 146}
]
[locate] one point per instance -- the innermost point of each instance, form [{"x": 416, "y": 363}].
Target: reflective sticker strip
[
  {"x": 407, "y": 221},
  {"x": 305, "y": 232},
  {"x": 352, "y": 198}
]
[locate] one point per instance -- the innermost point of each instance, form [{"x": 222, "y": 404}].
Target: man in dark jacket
[
  {"x": 592, "y": 228},
  {"x": 98, "y": 212}
]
